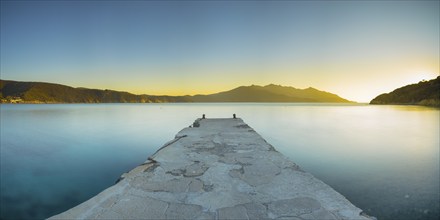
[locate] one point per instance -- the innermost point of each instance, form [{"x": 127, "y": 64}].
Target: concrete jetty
[{"x": 217, "y": 169}]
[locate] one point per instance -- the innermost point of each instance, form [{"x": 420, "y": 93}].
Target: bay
[{"x": 384, "y": 159}]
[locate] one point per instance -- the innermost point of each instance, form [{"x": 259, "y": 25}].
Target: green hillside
[
  {"x": 423, "y": 93},
  {"x": 270, "y": 93},
  {"x": 38, "y": 92}
]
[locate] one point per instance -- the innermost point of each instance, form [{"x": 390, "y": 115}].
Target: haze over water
[{"x": 384, "y": 159}]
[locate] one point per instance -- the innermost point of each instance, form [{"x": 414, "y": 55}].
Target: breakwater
[{"x": 217, "y": 169}]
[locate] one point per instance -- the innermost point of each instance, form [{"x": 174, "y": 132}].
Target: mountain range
[
  {"x": 423, "y": 93},
  {"x": 41, "y": 92}
]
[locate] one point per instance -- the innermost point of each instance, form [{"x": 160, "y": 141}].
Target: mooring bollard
[{"x": 234, "y": 115}]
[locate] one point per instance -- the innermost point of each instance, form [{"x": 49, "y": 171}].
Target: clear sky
[{"x": 354, "y": 49}]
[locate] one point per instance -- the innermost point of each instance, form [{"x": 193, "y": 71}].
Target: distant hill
[
  {"x": 423, "y": 93},
  {"x": 40, "y": 92},
  {"x": 270, "y": 93}
]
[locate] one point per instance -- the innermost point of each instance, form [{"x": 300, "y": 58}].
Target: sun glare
[{"x": 421, "y": 76}]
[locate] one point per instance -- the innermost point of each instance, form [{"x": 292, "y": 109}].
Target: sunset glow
[{"x": 357, "y": 50}]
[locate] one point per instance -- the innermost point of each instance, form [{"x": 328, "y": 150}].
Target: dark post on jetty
[{"x": 217, "y": 169}]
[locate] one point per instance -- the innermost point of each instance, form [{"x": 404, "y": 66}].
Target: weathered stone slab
[
  {"x": 294, "y": 207},
  {"x": 133, "y": 207},
  {"x": 183, "y": 211},
  {"x": 217, "y": 169}
]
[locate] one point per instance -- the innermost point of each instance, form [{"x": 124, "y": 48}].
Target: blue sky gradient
[{"x": 354, "y": 49}]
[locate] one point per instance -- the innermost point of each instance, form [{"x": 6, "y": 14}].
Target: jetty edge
[{"x": 217, "y": 169}]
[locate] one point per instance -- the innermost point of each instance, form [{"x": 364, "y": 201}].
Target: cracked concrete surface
[{"x": 219, "y": 169}]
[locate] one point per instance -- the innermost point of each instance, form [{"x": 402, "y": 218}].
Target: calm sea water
[{"x": 385, "y": 159}]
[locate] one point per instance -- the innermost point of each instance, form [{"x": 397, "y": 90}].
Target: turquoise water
[{"x": 385, "y": 159}]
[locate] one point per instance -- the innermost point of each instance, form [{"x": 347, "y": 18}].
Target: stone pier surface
[{"x": 217, "y": 169}]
